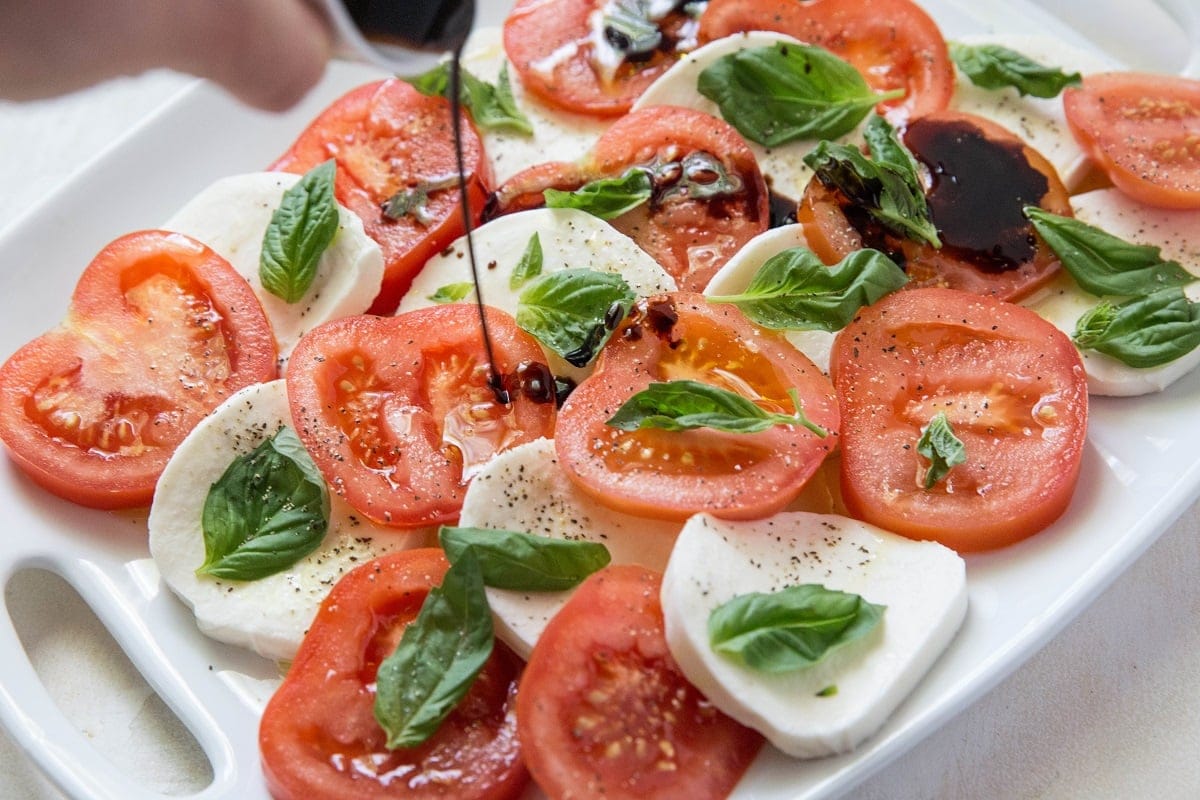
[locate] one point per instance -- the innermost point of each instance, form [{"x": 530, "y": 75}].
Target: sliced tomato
[
  {"x": 398, "y": 413},
  {"x": 562, "y": 54},
  {"x": 387, "y": 138},
  {"x": 674, "y": 474},
  {"x": 318, "y": 737},
  {"x": 604, "y": 711},
  {"x": 690, "y": 237},
  {"x": 981, "y": 176},
  {"x": 159, "y": 332},
  {"x": 1013, "y": 389},
  {"x": 1143, "y": 131},
  {"x": 894, "y": 44}
]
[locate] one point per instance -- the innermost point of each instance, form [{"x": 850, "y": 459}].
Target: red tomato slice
[
  {"x": 674, "y": 474},
  {"x": 1014, "y": 391},
  {"x": 981, "y": 177},
  {"x": 318, "y": 737},
  {"x": 603, "y": 710},
  {"x": 690, "y": 238},
  {"x": 397, "y": 412},
  {"x": 159, "y": 332},
  {"x": 1143, "y": 131},
  {"x": 894, "y": 44},
  {"x": 387, "y": 137},
  {"x": 551, "y": 46}
]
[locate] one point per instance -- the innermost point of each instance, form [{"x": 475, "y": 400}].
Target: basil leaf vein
[
  {"x": 686, "y": 405},
  {"x": 606, "y": 198},
  {"x": 524, "y": 562},
  {"x": 300, "y": 231},
  {"x": 992, "y": 66},
  {"x": 569, "y": 310},
  {"x": 942, "y": 447},
  {"x": 1145, "y": 331}
]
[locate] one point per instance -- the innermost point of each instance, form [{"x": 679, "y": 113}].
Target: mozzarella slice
[
  {"x": 557, "y": 135},
  {"x": 231, "y": 216},
  {"x": 570, "y": 239},
  {"x": 739, "y": 270},
  {"x": 1063, "y": 302},
  {"x": 269, "y": 615},
  {"x": 524, "y": 490},
  {"x": 783, "y": 166},
  {"x": 1039, "y": 121},
  {"x": 923, "y": 585}
]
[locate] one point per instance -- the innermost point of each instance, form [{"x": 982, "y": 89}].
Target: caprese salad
[{"x": 776, "y": 309}]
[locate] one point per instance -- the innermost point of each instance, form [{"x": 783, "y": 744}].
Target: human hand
[{"x": 268, "y": 53}]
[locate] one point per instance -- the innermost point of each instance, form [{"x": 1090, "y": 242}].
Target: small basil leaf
[
  {"x": 438, "y": 658},
  {"x": 1146, "y": 331},
  {"x": 943, "y": 449},
  {"x": 452, "y": 292},
  {"x": 606, "y": 198},
  {"x": 413, "y": 201},
  {"x": 779, "y": 94},
  {"x": 886, "y": 147},
  {"x": 268, "y": 510},
  {"x": 524, "y": 562},
  {"x": 794, "y": 290},
  {"x": 566, "y": 311},
  {"x": 790, "y": 629},
  {"x": 530, "y": 265},
  {"x": 491, "y": 107},
  {"x": 628, "y": 27},
  {"x": 1104, "y": 264},
  {"x": 685, "y": 405},
  {"x": 991, "y": 66},
  {"x": 299, "y": 232}
]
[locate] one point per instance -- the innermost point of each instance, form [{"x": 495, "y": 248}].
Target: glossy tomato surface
[
  {"x": 980, "y": 178},
  {"x": 894, "y": 44},
  {"x": 159, "y": 332},
  {"x": 387, "y": 137},
  {"x": 1013, "y": 389},
  {"x": 397, "y": 411},
  {"x": 674, "y": 474},
  {"x": 318, "y": 737},
  {"x": 1143, "y": 131},
  {"x": 604, "y": 711}
]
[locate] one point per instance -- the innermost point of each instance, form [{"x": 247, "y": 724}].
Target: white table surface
[{"x": 1109, "y": 709}]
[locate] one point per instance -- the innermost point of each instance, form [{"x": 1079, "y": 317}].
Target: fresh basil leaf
[
  {"x": 452, "y": 292},
  {"x": 829, "y": 691},
  {"x": 943, "y": 449},
  {"x": 530, "y": 265},
  {"x": 1145, "y": 331},
  {"x": 524, "y": 562},
  {"x": 794, "y": 290},
  {"x": 891, "y": 197},
  {"x": 685, "y": 405},
  {"x": 628, "y": 27},
  {"x": 791, "y": 629},
  {"x": 268, "y": 510},
  {"x": 991, "y": 66},
  {"x": 413, "y": 201},
  {"x": 779, "y": 94},
  {"x": 438, "y": 658},
  {"x": 886, "y": 147},
  {"x": 606, "y": 198},
  {"x": 567, "y": 311},
  {"x": 300, "y": 231},
  {"x": 491, "y": 107},
  {"x": 1104, "y": 264}
]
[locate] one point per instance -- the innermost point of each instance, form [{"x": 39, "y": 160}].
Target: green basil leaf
[
  {"x": 491, "y": 107},
  {"x": 685, "y": 405},
  {"x": 779, "y": 94},
  {"x": 1104, "y": 264},
  {"x": 991, "y": 66},
  {"x": 413, "y": 201},
  {"x": 1146, "y": 331},
  {"x": 790, "y": 629},
  {"x": 568, "y": 311},
  {"x": 268, "y": 510},
  {"x": 606, "y": 198},
  {"x": 299, "y": 232},
  {"x": 452, "y": 292},
  {"x": 892, "y": 197},
  {"x": 794, "y": 290},
  {"x": 524, "y": 562},
  {"x": 886, "y": 147},
  {"x": 530, "y": 265},
  {"x": 628, "y": 27},
  {"x": 438, "y": 658},
  {"x": 943, "y": 449}
]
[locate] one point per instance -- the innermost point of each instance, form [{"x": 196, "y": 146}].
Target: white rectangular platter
[{"x": 1139, "y": 474}]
